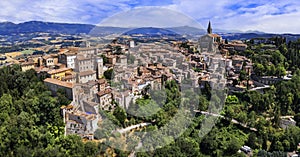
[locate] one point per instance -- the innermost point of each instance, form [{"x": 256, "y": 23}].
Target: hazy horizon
[{"x": 267, "y": 15}]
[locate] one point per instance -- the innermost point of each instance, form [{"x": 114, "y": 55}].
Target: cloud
[
  {"x": 244, "y": 15},
  {"x": 74, "y": 11},
  {"x": 150, "y": 17},
  {"x": 264, "y": 15}
]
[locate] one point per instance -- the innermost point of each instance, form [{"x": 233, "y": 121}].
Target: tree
[
  {"x": 229, "y": 112},
  {"x": 297, "y": 119},
  {"x": 118, "y": 50},
  {"x": 258, "y": 69},
  {"x": 170, "y": 150},
  {"x": 105, "y": 59},
  {"x": 108, "y": 74},
  {"x": 145, "y": 91},
  {"x": 232, "y": 99},
  {"x": 120, "y": 114},
  {"x": 72, "y": 144},
  {"x": 242, "y": 117},
  {"x": 272, "y": 71},
  {"x": 283, "y": 49},
  {"x": 277, "y": 146},
  {"x": 224, "y": 141},
  {"x": 203, "y": 103},
  {"x": 61, "y": 96},
  {"x": 226, "y": 41},
  {"x": 30, "y": 120},
  {"x": 252, "y": 119},
  {"x": 253, "y": 141},
  {"x": 188, "y": 146},
  {"x": 233, "y": 146},
  {"x": 286, "y": 145},
  {"x": 206, "y": 90},
  {"x": 276, "y": 119},
  {"x": 6, "y": 103},
  {"x": 90, "y": 149},
  {"x": 280, "y": 71}
]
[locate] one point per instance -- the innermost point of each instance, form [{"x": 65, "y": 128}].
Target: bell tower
[{"x": 209, "y": 29}]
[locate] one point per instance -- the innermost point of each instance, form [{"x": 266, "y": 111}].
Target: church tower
[{"x": 209, "y": 29}]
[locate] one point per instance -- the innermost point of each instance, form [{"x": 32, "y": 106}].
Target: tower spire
[{"x": 209, "y": 29}]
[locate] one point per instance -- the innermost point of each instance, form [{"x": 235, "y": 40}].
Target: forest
[
  {"x": 30, "y": 119},
  {"x": 31, "y": 123}
]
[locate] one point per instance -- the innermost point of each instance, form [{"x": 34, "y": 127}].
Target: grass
[{"x": 27, "y": 52}]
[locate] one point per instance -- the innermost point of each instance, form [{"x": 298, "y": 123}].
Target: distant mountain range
[
  {"x": 246, "y": 36},
  {"x": 9, "y": 28},
  {"x": 187, "y": 30},
  {"x": 151, "y": 31}
]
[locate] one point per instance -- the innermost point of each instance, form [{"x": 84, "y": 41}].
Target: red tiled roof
[
  {"x": 59, "y": 83},
  {"x": 27, "y": 63},
  {"x": 85, "y": 73},
  {"x": 58, "y": 71},
  {"x": 214, "y": 35},
  {"x": 102, "y": 81},
  {"x": 106, "y": 91}
]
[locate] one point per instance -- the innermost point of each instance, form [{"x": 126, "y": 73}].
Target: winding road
[
  {"x": 124, "y": 130},
  {"x": 232, "y": 120}
]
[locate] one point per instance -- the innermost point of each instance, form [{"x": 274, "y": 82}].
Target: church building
[{"x": 209, "y": 42}]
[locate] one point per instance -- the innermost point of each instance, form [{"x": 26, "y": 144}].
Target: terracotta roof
[
  {"x": 70, "y": 73},
  {"x": 214, "y": 35},
  {"x": 85, "y": 73},
  {"x": 69, "y": 77},
  {"x": 73, "y": 48},
  {"x": 47, "y": 57},
  {"x": 102, "y": 93},
  {"x": 69, "y": 107},
  {"x": 59, "y": 71},
  {"x": 41, "y": 69},
  {"x": 59, "y": 83},
  {"x": 70, "y": 53},
  {"x": 102, "y": 81},
  {"x": 86, "y": 48},
  {"x": 81, "y": 58},
  {"x": 27, "y": 63},
  {"x": 92, "y": 83}
]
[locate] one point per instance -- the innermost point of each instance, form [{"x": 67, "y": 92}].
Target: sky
[{"x": 274, "y": 16}]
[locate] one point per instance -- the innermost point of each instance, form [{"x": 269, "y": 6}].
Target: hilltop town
[
  {"x": 99, "y": 77},
  {"x": 80, "y": 71}
]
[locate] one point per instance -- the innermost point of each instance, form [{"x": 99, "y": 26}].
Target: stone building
[
  {"x": 68, "y": 58},
  {"x": 80, "y": 123},
  {"x": 88, "y": 67},
  {"x": 208, "y": 42},
  {"x": 59, "y": 73},
  {"x": 27, "y": 66},
  {"x": 49, "y": 60},
  {"x": 54, "y": 85}
]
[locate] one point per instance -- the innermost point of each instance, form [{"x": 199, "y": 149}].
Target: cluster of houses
[
  {"x": 81, "y": 78},
  {"x": 79, "y": 72}
]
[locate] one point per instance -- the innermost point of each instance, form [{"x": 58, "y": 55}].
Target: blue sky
[{"x": 279, "y": 16}]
